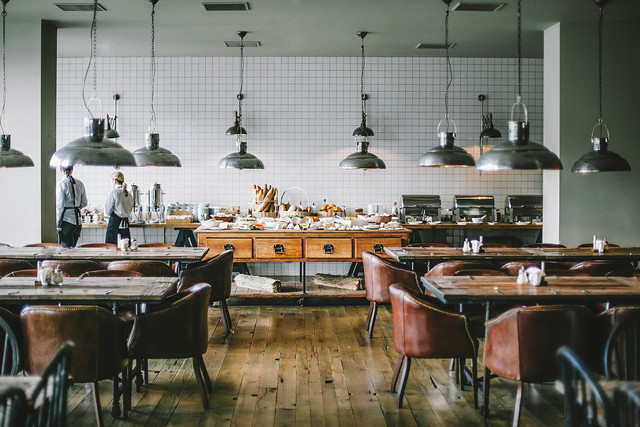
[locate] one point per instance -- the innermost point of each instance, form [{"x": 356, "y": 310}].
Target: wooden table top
[
  {"x": 25, "y": 252},
  {"x": 89, "y": 289},
  {"x": 106, "y": 254},
  {"x": 480, "y": 289}
]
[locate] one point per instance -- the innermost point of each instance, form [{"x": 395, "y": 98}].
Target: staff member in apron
[
  {"x": 118, "y": 206},
  {"x": 70, "y": 198}
]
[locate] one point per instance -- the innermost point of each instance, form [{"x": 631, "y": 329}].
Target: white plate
[
  {"x": 463, "y": 222},
  {"x": 415, "y": 222},
  {"x": 523, "y": 222},
  {"x": 371, "y": 227},
  {"x": 435, "y": 222}
]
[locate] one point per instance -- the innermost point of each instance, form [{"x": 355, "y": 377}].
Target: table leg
[
  {"x": 486, "y": 374},
  {"x": 303, "y": 265}
]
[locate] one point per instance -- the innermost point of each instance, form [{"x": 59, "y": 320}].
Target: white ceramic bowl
[{"x": 476, "y": 220}]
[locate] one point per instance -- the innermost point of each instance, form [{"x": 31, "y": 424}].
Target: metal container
[
  {"x": 473, "y": 207},
  {"x": 155, "y": 196},
  {"x": 135, "y": 195},
  {"x": 523, "y": 208},
  {"x": 420, "y": 206}
]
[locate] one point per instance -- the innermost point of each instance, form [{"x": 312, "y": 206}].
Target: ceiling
[{"x": 312, "y": 27}]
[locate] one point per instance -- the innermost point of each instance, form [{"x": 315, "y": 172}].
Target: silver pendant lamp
[
  {"x": 92, "y": 148},
  {"x": 488, "y": 131},
  {"x": 600, "y": 159},
  {"x": 446, "y": 154},
  {"x": 9, "y": 157},
  {"x": 112, "y": 123},
  {"x": 362, "y": 159},
  {"x": 241, "y": 159},
  {"x": 518, "y": 152},
  {"x": 152, "y": 154}
]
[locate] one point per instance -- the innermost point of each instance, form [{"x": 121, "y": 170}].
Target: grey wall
[{"x": 605, "y": 204}]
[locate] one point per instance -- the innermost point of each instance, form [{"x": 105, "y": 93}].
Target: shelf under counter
[
  {"x": 471, "y": 226},
  {"x": 190, "y": 225}
]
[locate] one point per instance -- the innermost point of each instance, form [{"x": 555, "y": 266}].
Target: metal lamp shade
[
  {"x": 241, "y": 159},
  {"x": 236, "y": 129},
  {"x": 363, "y": 131},
  {"x": 93, "y": 149},
  {"x": 490, "y": 132},
  {"x": 111, "y": 133},
  {"x": 600, "y": 159},
  {"x": 362, "y": 159},
  {"x": 154, "y": 155},
  {"x": 10, "y": 158},
  {"x": 446, "y": 154}
]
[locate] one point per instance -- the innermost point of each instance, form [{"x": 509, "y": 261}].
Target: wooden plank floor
[{"x": 298, "y": 366}]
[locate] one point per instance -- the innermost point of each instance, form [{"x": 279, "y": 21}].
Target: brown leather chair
[
  {"x": 5, "y": 245},
  {"x": 147, "y": 268},
  {"x": 521, "y": 344},
  {"x": 590, "y": 245},
  {"x": 100, "y": 346},
  {"x": 602, "y": 267},
  {"x": 217, "y": 272},
  {"x": 98, "y": 245},
  {"x": 43, "y": 245},
  {"x": 429, "y": 245},
  {"x": 448, "y": 268},
  {"x": 423, "y": 329},
  {"x": 623, "y": 273},
  {"x": 566, "y": 273},
  {"x": 72, "y": 268},
  {"x": 379, "y": 274},
  {"x": 543, "y": 245},
  {"x": 31, "y": 272},
  {"x": 111, "y": 273},
  {"x": 512, "y": 268},
  {"x": 495, "y": 245},
  {"x": 9, "y": 265},
  {"x": 176, "y": 332},
  {"x": 156, "y": 245},
  {"x": 479, "y": 272}
]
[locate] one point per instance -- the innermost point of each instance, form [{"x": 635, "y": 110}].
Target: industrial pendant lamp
[
  {"x": 362, "y": 159},
  {"x": 488, "y": 131},
  {"x": 9, "y": 158},
  {"x": 240, "y": 159},
  {"x": 518, "y": 152},
  {"x": 446, "y": 154},
  {"x": 152, "y": 154},
  {"x": 600, "y": 159},
  {"x": 93, "y": 148},
  {"x": 112, "y": 123}
]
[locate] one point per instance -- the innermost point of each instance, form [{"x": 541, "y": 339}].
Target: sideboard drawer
[
  {"x": 318, "y": 247},
  {"x": 375, "y": 245},
  {"x": 278, "y": 248},
  {"x": 242, "y": 248}
]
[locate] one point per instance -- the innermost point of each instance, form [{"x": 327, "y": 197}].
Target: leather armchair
[
  {"x": 99, "y": 339},
  {"x": 379, "y": 275},
  {"x": 447, "y": 268},
  {"x": 217, "y": 272},
  {"x": 521, "y": 344},
  {"x": 112, "y": 273},
  {"x": 176, "y": 332},
  {"x": 602, "y": 267},
  {"x": 9, "y": 265},
  {"x": 422, "y": 328},
  {"x": 146, "y": 268},
  {"x": 72, "y": 268}
]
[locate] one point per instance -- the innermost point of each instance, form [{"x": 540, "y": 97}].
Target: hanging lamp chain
[
  {"x": 600, "y": 26},
  {"x": 92, "y": 60},
  {"x": 363, "y": 97},
  {"x": 153, "y": 65},
  {"x": 448, "y": 72},
  {"x": 519, "y": 50},
  {"x": 4, "y": 66},
  {"x": 240, "y": 96}
]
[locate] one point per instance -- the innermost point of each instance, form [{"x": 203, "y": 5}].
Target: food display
[
  {"x": 329, "y": 209},
  {"x": 265, "y": 199}
]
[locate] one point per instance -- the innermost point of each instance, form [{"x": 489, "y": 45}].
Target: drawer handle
[
  {"x": 229, "y": 247},
  {"x": 378, "y": 248},
  {"x": 328, "y": 248},
  {"x": 278, "y": 249}
]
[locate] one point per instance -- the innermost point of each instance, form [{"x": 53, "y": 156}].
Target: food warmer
[
  {"x": 523, "y": 208},
  {"x": 420, "y": 206},
  {"x": 473, "y": 207}
]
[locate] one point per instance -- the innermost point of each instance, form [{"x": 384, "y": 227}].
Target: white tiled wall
[{"x": 299, "y": 113}]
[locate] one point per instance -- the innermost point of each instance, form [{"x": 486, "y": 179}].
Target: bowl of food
[{"x": 477, "y": 220}]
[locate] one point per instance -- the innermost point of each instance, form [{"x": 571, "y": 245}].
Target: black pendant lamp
[
  {"x": 518, "y": 152},
  {"x": 362, "y": 159},
  {"x": 600, "y": 159},
  {"x": 112, "y": 123},
  {"x": 446, "y": 154},
  {"x": 92, "y": 148},
  {"x": 152, "y": 154},
  {"x": 241, "y": 159},
  {"x": 9, "y": 158},
  {"x": 488, "y": 131}
]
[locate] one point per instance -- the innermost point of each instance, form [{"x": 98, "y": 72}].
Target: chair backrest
[
  {"x": 13, "y": 406},
  {"x": 43, "y": 245},
  {"x": 566, "y": 273},
  {"x": 98, "y": 245},
  {"x": 623, "y": 273},
  {"x": 423, "y": 328},
  {"x": 495, "y": 245},
  {"x": 177, "y": 331},
  {"x": 97, "y": 334},
  {"x": 622, "y": 349},
  {"x": 543, "y": 245},
  {"x": 590, "y": 244},
  {"x": 602, "y": 267},
  {"x": 216, "y": 271},
  {"x": 72, "y": 268},
  {"x": 585, "y": 402},
  {"x": 112, "y": 273},
  {"x": 380, "y": 273},
  {"x": 5, "y": 245},
  {"x": 521, "y": 343},
  {"x": 448, "y": 268},
  {"x": 147, "y": 268},
  {"x": 429, "y": 245},
  {"x": 32, "y": 272},
  {"x": 479, "y": 272},
  {"x": 9, "y": 265},
  {"x": 626, "y": 403},
  {"x": 9, "y": 348},
  {"x": 513, "y": 267},
  {"x": 156, "y": 245},
  {"x": 51, "y": 390}
]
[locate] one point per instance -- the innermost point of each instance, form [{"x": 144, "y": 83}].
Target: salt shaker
[
  {"x": 466, "y": 247},
  {"x": 522, "y": 277},
  {"x": 134, "y": 244},
  {"x": 57, "y": 276}
]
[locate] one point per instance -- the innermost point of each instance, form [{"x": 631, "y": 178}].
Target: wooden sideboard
[{"x": 299, "y": 245}]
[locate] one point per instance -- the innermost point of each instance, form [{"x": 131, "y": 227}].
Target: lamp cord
[
  {"x": 241, "y": 82},
  {"x": 600, "y": 26},
  {"x": 152, "y": 124},
  {"x": 4, "y": 67},
  {"x": 362, "y": 95},
  {"x": 519, "y": 50},
  {"x": 93, "y": 37},
  {"x": 448, "y": 72}
]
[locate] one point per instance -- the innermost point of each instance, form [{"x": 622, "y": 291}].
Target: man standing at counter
[
  {"x": 70, "y": 198},
  {"x": 118, "y": 206}
]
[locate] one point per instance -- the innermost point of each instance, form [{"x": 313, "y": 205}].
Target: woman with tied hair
[
  {"x": 118, "y": 206},
  {"x": 70, "y": 198}
]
